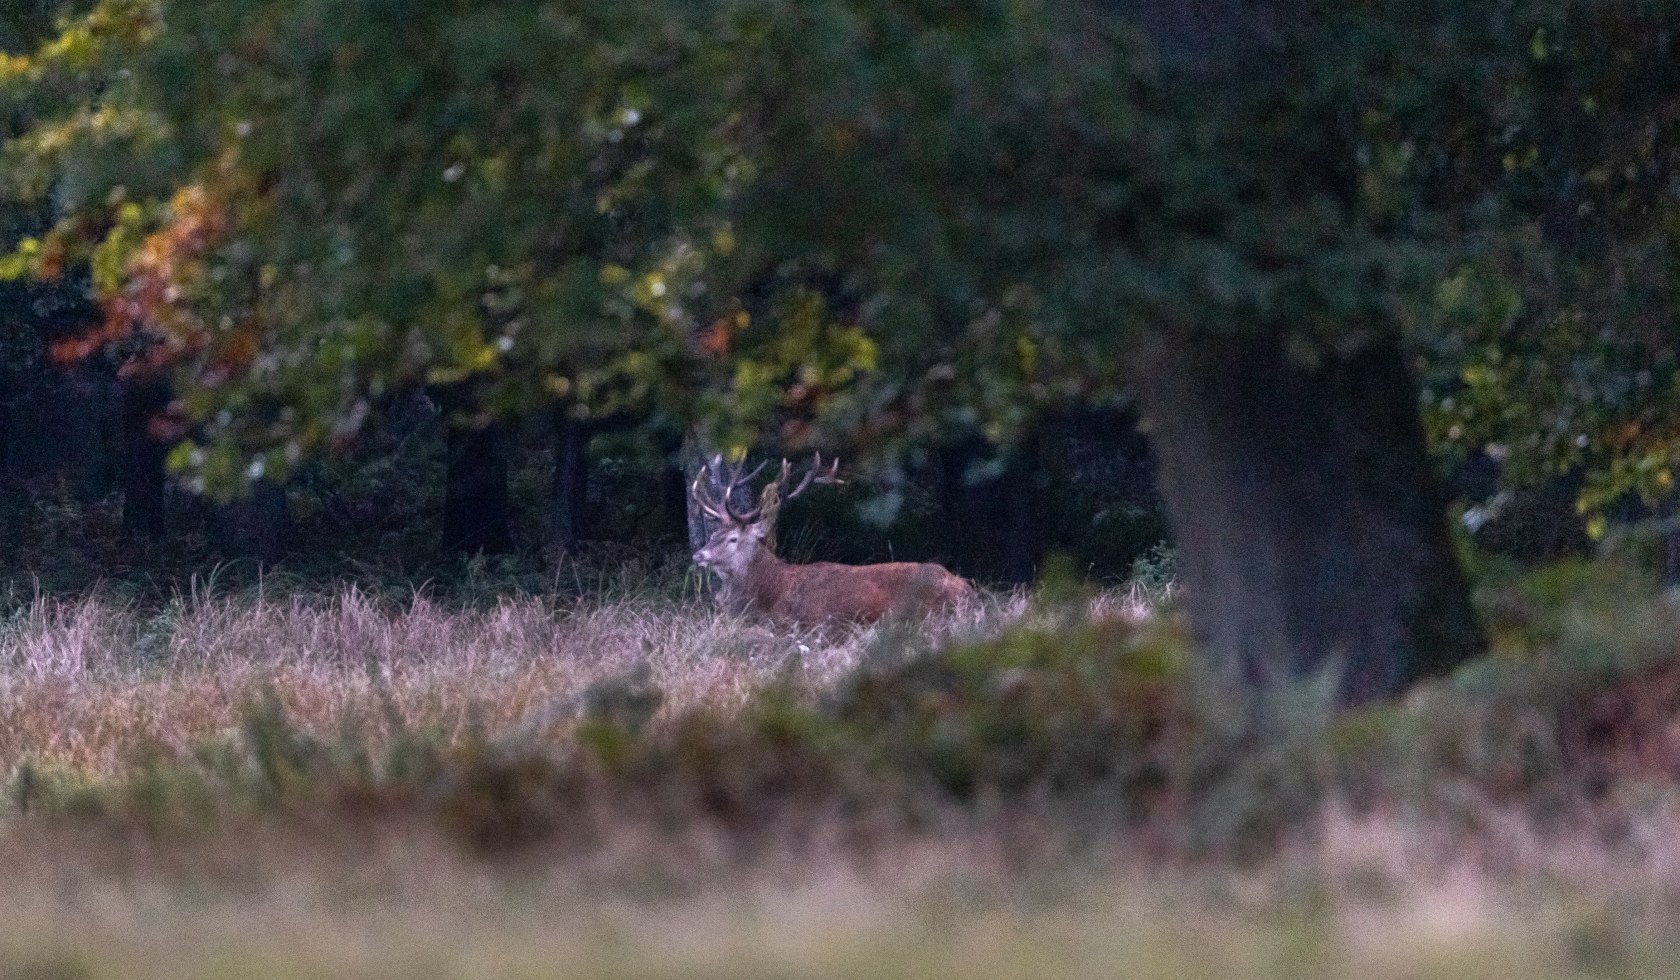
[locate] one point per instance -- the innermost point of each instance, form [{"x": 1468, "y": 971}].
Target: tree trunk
[
  {"x": 11, "y": 494},
  {"x": 1010, "y": 506},
  {"x": 571, "y": 480},
  {"x": 952, "y": 492},
  {"x": 696, "y": 451},
  {"x": 144, "y": 476},
  {"x": 692, "y": 457},
  {"x": 1024, "y": 503},
  {"x": 258, "y": 525},
  {"x": 673, "y": 486},
  {"x": 475, "y": 504},
  {"x": 1312, "y": 531}
]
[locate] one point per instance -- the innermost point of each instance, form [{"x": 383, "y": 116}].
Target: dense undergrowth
[
  {"x": 1100, "y": 724},
  {"x": 314, "y": 782}
]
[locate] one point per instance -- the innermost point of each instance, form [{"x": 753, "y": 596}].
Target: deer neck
[
  {"x": 761, "y": 582},
  {"x": 756, "y": 584},
  {"x": 765, "y": 566}
]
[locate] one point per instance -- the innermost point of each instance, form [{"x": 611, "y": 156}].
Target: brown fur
[
  {"x": 739, "y": 552},
  {"x": 824, "y": 592}
]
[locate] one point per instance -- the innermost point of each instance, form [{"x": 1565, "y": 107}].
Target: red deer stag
[{"x": 741, "y": 553}]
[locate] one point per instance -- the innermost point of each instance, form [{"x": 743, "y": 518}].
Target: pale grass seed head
[{"x": 91, "y": 681}]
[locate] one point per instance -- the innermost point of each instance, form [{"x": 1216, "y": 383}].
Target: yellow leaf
[
  {"x": 13, "y": 67},
  {"x": 1027, "y": 351}
]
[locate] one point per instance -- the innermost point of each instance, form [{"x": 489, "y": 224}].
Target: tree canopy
[
  {"x": 881, "y": 219},
  {"x": 1554, "y": 164}
]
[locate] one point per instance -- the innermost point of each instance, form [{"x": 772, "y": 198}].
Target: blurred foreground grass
[
  {"x": 339, "y": 785},
  {"x": 456, "y": 923}
]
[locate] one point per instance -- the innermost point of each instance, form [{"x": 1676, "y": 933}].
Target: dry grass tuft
[
  {"x": 1390, "y": 885},
  {"x": 92, "y": 684}
]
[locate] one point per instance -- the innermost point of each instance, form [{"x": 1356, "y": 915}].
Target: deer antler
[
  {"x": 814, "y": 475},
  {"x": 720, "y": 508},
  {"x": 776, "y": 493}
]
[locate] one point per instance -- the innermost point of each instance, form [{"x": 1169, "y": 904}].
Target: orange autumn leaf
[{"x": 151, "y": 305}]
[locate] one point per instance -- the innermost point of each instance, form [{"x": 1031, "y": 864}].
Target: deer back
[{"x": 824, "y": 592}]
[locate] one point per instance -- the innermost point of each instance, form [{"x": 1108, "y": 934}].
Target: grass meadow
[{"x": 338, "y": 783}]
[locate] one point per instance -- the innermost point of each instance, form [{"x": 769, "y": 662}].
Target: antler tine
[
  {"x": 707, "y": 506},
  {"x": 719, "y": 507},
  {"x": 722, "y": 507},
  {"x": 812, "y": 476},
  {"x": 737, "y": 478}
]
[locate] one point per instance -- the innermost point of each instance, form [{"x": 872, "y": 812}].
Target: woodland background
[{"x": 1301, "y": 379}]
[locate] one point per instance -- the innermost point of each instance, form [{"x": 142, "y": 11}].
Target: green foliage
[
  {"x": 511, "y": 200},
  {"x": 879, "y": 219},
  {"x": 1553, "y": 340},
  {"x": 84, "y": 130},
  {"x": 1156, "y": 571},
  {"x": 683, "y": 205}
]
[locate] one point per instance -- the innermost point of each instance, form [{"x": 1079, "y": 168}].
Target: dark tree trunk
[
  {"x": 1025, "y": 524},
  {"x": 692, "y": 458},
  {"x": 257, "y": 526},
  {"x": 475, "y": 503},
  {"x": 1312, "y": 530},
  {"x": 1667, "y": 543},
  {"x": 11, "y": 494},
  {"x": 144, "y": 456},
  {"x": 1009, "y": 508},
  {"x": 673, "y": 493},
  {"x": 571, "y": 480},
  {"x": 949, "y": 473}
]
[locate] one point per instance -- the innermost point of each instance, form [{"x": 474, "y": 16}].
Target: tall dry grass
[
  {"x": 1384, "y": 888},
  {"x": 93, "y": 683}
]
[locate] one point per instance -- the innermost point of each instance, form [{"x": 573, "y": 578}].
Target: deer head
[{"x": 742, "y": 535}]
